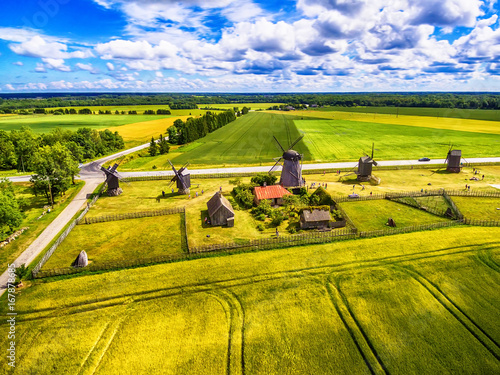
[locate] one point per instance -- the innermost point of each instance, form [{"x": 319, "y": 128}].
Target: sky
[{"x": 249, "y": 46}]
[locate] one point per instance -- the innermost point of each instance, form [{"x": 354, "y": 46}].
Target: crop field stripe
[
  {"x": 115, "y": 326},
  {"x": 359, "y": 338},
  {"x": 485, "y": 258},
  {"x": 93, "y": 348},
  {"x": 486, "y": 340},
  {"x": 236, "y": 316},
  {"x": 208, "y": 286}
]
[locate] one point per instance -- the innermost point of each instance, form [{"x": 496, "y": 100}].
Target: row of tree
[
  {"x": 191, "y": 101},
  {"x": 159, "y": 147},
  {"x": 18, "y": 147},
  {"x": 195, "y": 128}
]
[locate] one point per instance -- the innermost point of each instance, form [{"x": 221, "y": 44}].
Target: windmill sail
[{"x": 291, "y": 172}]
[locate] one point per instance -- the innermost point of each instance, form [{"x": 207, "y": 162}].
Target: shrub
[
  {"x": 260, "y": 227},
  {"x": 277, "y": 217},
  {"x": 264, "y": 207},
  {"x": 262, "y": 178},
  {"x": 261, "y": 217}
]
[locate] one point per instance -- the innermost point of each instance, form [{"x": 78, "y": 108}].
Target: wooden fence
[
  {"x": 132, "y": 215},
  {"x": 482, "y": 222},
  {"x": 413, "y": 228},
  {"x": 454, "y": 208}
]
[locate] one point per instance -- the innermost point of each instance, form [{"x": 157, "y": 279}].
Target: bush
[
  {"x": 261, "y": 217},
  {"x": 277, "y": 217},
  {"x": 264, "y": 178},
  {"x": 260, "y": 227},
  {"x": 264, "y": 207}
]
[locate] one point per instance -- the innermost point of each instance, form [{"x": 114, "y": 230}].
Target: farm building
[
  {"x": 314, "y": 219},
  {"x": 220, "y": 210},
  {"x": 274, "y": 194}
]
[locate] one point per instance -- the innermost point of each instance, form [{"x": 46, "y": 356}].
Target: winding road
[{"x": 93, "y": 176}]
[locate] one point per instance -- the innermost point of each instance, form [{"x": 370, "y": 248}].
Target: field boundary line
[
  {"x": 485, "y": 258},
  {"x": 482, "y": 336},
  {"x": 235, "y": 282},
  {"x": 92, "y": 349},
  {"x": 131, "y": 215},
  {"x": 359, "y": 337}
]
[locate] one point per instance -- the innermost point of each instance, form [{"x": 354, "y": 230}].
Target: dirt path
[{"x": 41, "y": 242}]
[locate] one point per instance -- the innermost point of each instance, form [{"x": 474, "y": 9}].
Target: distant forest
[{"x": 12, "y": 102}]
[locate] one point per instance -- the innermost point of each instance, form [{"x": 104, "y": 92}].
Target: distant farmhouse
[
  {"x": 274, "y": 194},
  {"x": 220, "y": 210},
  {"x": 315, "y": 219}
]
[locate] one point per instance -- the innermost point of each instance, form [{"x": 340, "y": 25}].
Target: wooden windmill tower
[
  {"x": 453, "y": 160},
  {"x": 291, "y": 172},
  {"x": 112, "y": 180},
  {"x": 182, "y": 177},
  {"x": 365, "y": 166}
]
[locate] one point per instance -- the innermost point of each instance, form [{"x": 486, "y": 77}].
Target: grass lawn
[
  {"x": 34, "y": 209},
  {"x": 413, "y": 303},
  {"x": 478, "y": 208},
  {"x": 120, "y": 240},
  {"x": 373, "y": 215}
]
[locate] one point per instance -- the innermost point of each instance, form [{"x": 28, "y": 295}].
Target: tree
[
  {"x": 7, "y": 151},
  {"x": 153, "y": 147},
  {"x": 10, "y": 214},
  {"x": 25, "y": 144},
  {"x": 164, "y": 148},
  {"x": 55, "y": 168},
  {"x": 264, "y": 178}
]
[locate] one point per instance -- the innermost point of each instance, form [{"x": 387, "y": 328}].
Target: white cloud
[
  {"x": 39, "y": 47},
  {"x": 110, "y": 66},
  {"x": 126, "y": 49},
  {"x": 8, "y": 86},
  {"x": 40, "y": 68},
  {"x": 81, "y": 66},
  {"x": 18, "y": 63},
  {"x": 56, "y": 64}
]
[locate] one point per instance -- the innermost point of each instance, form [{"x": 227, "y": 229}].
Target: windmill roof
[
  {"x": 270, "y": 192},
  {"x": 316, "y": 215},
  {"x": 366, "y": 159},
  {"x": 291, "y": 155},
  {"x": 216, "y": 202}
]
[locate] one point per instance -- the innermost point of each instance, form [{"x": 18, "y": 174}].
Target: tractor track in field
[
  {"x": 467, "y": 322},
  {"x": 236, "y": 317},
  {"x": 203, "y": 287},
  {"x": 107, "y": 302},
  {"x": 486, "y": 259},
  {"x": 358, "y": 335}
]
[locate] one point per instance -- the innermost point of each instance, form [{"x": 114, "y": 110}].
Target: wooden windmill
[
  {"x": 291, "y": 172},
  {"x": 453, "y": 160},
  {"x": 182, "y": 177},
  {"x": 112, "y": 180},
  {"x": 365, "y": 166}
]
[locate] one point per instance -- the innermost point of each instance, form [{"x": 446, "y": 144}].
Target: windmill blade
[
  {"x": 274, "y": 166},
  {"x": 279, "y": 144},
  {"x": 373, "y": 149},
  {"x": 296, "y": 141},
  {"x": 374, "y": 162},
  {"x": 294, "y": 175}
]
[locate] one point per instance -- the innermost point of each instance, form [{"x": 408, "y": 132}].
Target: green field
[
  {"x": 373, "y": 215},
  {"x": 478, "y": 208},
  {"x": 120, "y": 241},
  {"x": 248, "y": 141},
  {"x": 476, "y": 114},
  {"x": 419, "y": 303}
]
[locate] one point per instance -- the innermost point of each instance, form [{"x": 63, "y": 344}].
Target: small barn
[
  {"x": 315, "y": 219},
  {"x": 220, "y": 210},
  {"x": 274, "y": 194}
]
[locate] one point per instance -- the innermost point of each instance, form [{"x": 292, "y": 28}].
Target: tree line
[
  {"x": 9, "y": 104},
  {"x": 195, "y": 128}
]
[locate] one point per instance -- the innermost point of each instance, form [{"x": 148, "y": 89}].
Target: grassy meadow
[
  {"x": 373, "y": 215},
  {"x": 120, "y": 240},
  {"x": 418, "y": 303},
  {"x": 478, "y": 208}
]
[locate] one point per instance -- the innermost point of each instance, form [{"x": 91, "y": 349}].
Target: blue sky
[{"x": 249, "y": 46}]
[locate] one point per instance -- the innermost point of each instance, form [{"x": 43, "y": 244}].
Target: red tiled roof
[{"x": 270, "y": 192}]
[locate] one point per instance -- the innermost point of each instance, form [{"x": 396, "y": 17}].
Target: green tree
[
  {"x": 10, "y": 214},
  {"x": 163, "y": 146},
  {"x": 153, "y": 147},
  {"x": 54, "y": 168},
  {"x": 25, "y": 144},
  {"x": 7, "y": 151}
]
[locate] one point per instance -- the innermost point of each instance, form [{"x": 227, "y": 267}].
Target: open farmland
[
  {"x": 479, "y": 208},
  {"x": 459, "y": 113},
  {"x": 413, "y": 303}
]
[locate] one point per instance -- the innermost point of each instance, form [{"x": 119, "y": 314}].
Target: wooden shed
[
  {"x": 274, "y": 194},
  {"x": 220, "y": 210},
  {"x": 315, "y": 219}
]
